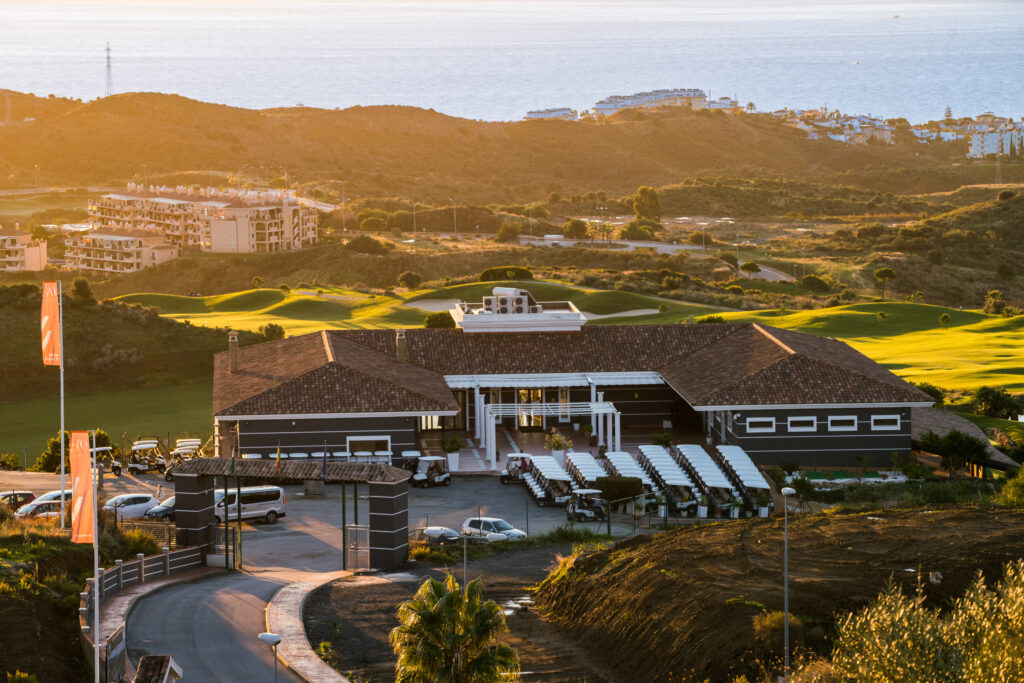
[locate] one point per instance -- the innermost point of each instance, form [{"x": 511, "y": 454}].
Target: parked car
[
  {"x": 164, "y": 510},
  {"x": 436, "y": 535},
  {"x": 53, "y": 495},
  {"x": 492, "y": 529},
  {"x": 131, "y": 505},
  {"x": 15, "y": 499},
  {"x": 37, "y": 508},
  {"x": 258, "y": 502}
]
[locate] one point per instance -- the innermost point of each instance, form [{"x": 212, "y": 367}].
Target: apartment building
[
  {"x": 690, "y": 97},
  {"x": 19, "y": 252},
  {"x": 563, "y": 113},
  {"x": 117, "y": 251},
  {"x": 232, "y": 221}
]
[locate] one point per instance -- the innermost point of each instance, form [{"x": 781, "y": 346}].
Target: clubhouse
[{"x": 515, "y": 364}]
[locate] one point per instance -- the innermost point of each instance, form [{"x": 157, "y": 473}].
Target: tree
[
  {"x": 505, "y": 273},
  {"x": 749, "y": 267},
  {"x": 884, "y": 275},
  {"x": 410, "y": 279},
  {"x": 994, "y": 302},
  {"x": 601, "y": 231},
  {"x": 995, "y": 402},
  {"x": 279, "y": 183},
  {"x": 448, "y": 634},
  {"x": 258, "y": 282},
  {"x": 508, "y": 232},
  {"x": 575, "y": 228},
  {"x": 944, "y": 320},
  {"x": 272, "y": 331},
  {"x": 634, "y": 231},
  {"x": 882, "y": 316},
  {"x": 955, "y": 449},
  {"x": 401, "y": 220},
  {"x": 372, "y": 224},
  {"x": 728, "y": 257},
  {"x": 937, "y": 394},
  {"x": 645, "y": 204},
  {"x": 439, "y": 320},
  {"x": 49, "y": 460},
  {"x": 82, "y": 290},
  {"x": 948, "y": 116}
]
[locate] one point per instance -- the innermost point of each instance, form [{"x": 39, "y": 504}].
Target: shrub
[
  {"x": 936, "y": 393},
  {"x": 82, "y": 290},
  {"x": 769, "y": 630},
  {"x": 575, "y": 228},
  {"x": 508, "y": 232},
  {"x": 285, "y": 288},
  {"x": 711, "y": 319},
  {"x": 955, "y": 448},
  {"x": 994, "y": 302},
  {"x": 1006, "y": 195},
  {"x": 364, "y": 244},
  {"x": 410, "y": 279},
  {"x": 617, "y": 488},
  {"x": 1012, "y": 493},
  {"x": 372, "y": 224},
  {"x": 272, "y": 331},
  {"x": 49, "y": 460},
  {"x": 814, "y": 283},
  {"x": 505, "y": 273},
  {"x": 9, "y": 461},
  {"x": 439, "y": 320},
  {"x": 634, "y": 231},
  {"x": 258, "y": 282}
]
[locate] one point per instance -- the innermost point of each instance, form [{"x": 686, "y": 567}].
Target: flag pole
[
  {"x": 60, "y": 327},
  {"x": 95, "y": 554}
]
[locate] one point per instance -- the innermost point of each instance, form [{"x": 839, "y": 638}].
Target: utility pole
[
  {"x": 110, "y": 74},
  {"x": 455, "y": 218},
  {"x": 999, "y": 165},
  {"x": 343, "y": 207}
]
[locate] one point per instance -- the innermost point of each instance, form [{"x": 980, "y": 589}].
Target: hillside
[
  {"x": 412, "y": 152},
  {"x": 678, "y": 606}
]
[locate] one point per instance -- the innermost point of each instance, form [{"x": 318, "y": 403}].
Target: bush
[
  {"x": 439, "y": 320},
  {"x": 82, "y": 290},
  {"x": 508, "y": 232},
  {"x": 272, "y": 331},
  {"x": 258, "y": 282},
  {"x": 9, "y": 461},
  {"x": 1006, "y": 195},
  {"x": 995, "y": 402},
  {"x": 814, "y": 283},
  {"x": 1012, "y": 493},
  {"x": 635, "y": 231},
  {"x": 575, "y": 228},
  {"x": 284, "y": 289},
  {"x": 936, "y": 393},
  {"x": 505, "y": 273},
  {"x": 617, "y": 488},
  {"x": 49, "y": 460},
  {"x": 711, "y": 319},
  {"x": 955, "y": 448},
  {"x": 364, "y": 244},
  {"x": 410, "y": 279},
  {"x": 118, "y": 545},
  {"x": 769, "y": 631},
  {"x": 372, "y": 224}
]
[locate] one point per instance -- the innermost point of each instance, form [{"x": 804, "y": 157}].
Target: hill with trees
[{"x": 392, "y": 150}]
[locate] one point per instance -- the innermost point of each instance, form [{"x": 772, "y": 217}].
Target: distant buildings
[
  {"x": 117, "y": 251},
  {"x": 19, "y": 252},
  {"x": 991, "y": 134},
  {"x": 223, "y": 221},
  {"x": 563, "y": 113},
  {"x": 690, "y": 97},
  {"x": 726, "y": 104}
]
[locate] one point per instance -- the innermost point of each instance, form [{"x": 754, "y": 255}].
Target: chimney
[
  {"x": 232, "y": 351},
  {"x": 401, "y": 350}
]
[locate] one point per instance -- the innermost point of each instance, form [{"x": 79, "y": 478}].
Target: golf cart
[
  {"x": 518, "y": 464},
  {"x": 410, "y": 461},
  {"x": 178, "y": 456},
  {"x": 432, "y": 470},
  {"x": 586, "y": 505},
  {"x": 144, "y": 457}
]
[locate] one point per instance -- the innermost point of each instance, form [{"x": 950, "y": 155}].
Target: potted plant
[
  {"x": 735, "y": 504},
  {"x": 763, "y": 500},
  {"x": 588, "y": 429},
  {"x": 452, "y": 446},
  {"x": 557, "y": 443},
  {"x": 702, "y": 506}
]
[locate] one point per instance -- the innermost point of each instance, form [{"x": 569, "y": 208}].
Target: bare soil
[
  {"x": 678, "y": 606},
  {"x": 356, "y": 615}
]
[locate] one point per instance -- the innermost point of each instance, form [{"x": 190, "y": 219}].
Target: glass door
[{"x": 528, "y": 416}]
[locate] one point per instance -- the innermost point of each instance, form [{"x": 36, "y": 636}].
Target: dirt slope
[{"x": 673, "y": 607}]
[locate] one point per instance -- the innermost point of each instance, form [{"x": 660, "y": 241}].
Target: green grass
[
  {"x": 152, "y": 411},
  {"x": 26, "y": 205},
  {"x": 1014, "y": 429}
]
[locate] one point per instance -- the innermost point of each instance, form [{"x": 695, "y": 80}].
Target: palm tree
[{"x": 449, "y": 635}]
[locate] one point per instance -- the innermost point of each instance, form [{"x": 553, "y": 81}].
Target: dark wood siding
[
  {"x": 309, "y": 435},
  {"x": 822, "y": 447}
]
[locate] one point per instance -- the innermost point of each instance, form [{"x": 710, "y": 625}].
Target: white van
[{"x": 258, "y": 502}]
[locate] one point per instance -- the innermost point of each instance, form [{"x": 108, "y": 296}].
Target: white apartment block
[
  {"x": 563, "y": 113},
  {"x": 116, "y": 252},
  {"x": 690, "y": 97},
  {"x": 1009, "y": 141},
  {"x": 19, "y": 252},
  {"x": 232, "y": 221}
]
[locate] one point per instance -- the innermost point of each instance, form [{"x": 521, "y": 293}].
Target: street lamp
[
  {"x": 455, "y": 218},
  {"x": 343, "y": 207},
  {"x": 271, "y": 639},
  {"x": 414, "y": 218},
  {"x": 786, "y": 493}
]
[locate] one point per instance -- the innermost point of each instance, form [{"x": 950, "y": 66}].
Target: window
[
  {"x": 885, "y": 423},
  {"x": 760, "y": 425},
  {"x": 802, "y": 424},
  {"x": 474, "y": 524},
  {"x": 842, "y": 423}
]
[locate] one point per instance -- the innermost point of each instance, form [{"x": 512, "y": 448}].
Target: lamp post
[
  {"x": 414, "y": 218},
  {"x": 271, "y": 639},
  {"x": 531, "y": 220},
  {"x": 343, "y": 207},
  {"x": 786, "y": 493},
  {"x": 455, "y": 218}
]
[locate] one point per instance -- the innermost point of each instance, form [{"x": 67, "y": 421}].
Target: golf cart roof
[
  {"x": 183, "y": 451},
  {"x": 519, "y": 456},
  {"x": 188, "y": 442},
  {"x": 587, "y": 492},
  {"x": 432, "y": 458},
  {"x": 144, "y": 445}
]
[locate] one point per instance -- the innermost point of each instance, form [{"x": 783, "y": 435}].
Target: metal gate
[
  {"x": 163, "y": 532},
  {"x": 216, "y": 551},
  {"x": 357, "y": 551}
]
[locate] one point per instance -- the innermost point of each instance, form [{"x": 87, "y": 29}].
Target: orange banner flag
[
  {"x": 50, "y": 324},
  {"x": 82, "y": 490}
]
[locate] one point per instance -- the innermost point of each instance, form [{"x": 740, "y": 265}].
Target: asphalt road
[{"x": 210, "y": 627}]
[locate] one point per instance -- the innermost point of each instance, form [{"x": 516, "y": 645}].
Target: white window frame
[
  {"x": 759, "y": 430},
  {"x": 380, "y": 437},
  {"x": 834, "y": 428},
  {"x": 812, "y": 428},
  {"x": 886, "y": 428}
]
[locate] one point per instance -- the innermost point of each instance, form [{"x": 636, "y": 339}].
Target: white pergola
[{"x": 604, "y": 416}]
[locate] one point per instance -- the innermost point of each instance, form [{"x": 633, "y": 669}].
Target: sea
[{"x": 497, "y": 59}]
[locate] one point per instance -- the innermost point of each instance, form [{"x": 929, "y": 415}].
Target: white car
[
  {"x": 39, "y": 509},
  {"x": 131, "y": 505},
  {"x": 492, "y": 529},
  {"x": 53, "y": 495}
]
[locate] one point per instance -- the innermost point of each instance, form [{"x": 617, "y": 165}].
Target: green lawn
[
  {"x": 26, "y": 205},
  {"x": 177, "y": 411},
  {"x": 1014, "y": 429}
]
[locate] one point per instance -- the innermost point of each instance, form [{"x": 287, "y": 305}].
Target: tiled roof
[
  {"x": 357, "y": 371},
  {"x": 266, "y": 468}
]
